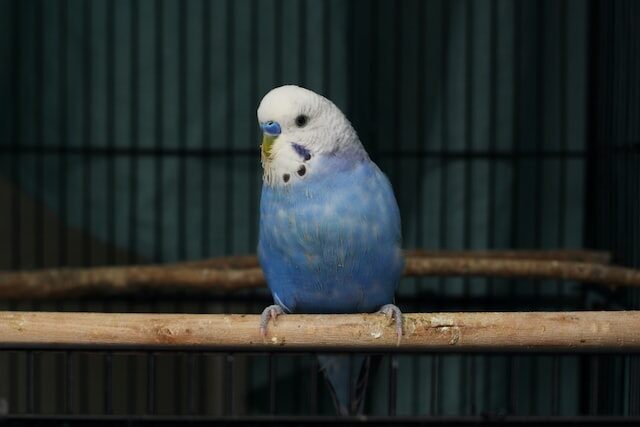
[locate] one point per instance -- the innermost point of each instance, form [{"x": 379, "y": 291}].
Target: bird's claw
[
  {"x": 270, "y": 313},
  {"x": 394, "y": 315}
]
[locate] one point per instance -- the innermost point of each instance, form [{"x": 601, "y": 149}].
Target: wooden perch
[
  {"x": 234, "y": 273},
  {"x": 513, "y": 331}
]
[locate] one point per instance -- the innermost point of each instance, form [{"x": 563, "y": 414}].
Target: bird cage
[{"x": 130, "y": 183}]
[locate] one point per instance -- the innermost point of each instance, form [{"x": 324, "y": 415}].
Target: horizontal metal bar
[
  {"x": 55, "y": 149},
  {"x": 581, "y": 331},
  {"x": 323, "y": 420}
]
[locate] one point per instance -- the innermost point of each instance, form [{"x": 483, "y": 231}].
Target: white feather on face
[{"x": 308, "y": 120}]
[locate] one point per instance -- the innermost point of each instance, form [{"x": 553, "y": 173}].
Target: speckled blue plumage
[{"x": 330, "y": 243}]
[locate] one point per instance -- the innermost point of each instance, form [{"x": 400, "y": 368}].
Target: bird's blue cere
[{"x": 271, "y": 128}]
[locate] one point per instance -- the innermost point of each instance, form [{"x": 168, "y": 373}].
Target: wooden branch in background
[
  {"x": 578, "y": 255},
  {"x": 534, "y": 269},
  {"x": 512, "y": 331},
  {"x": 67, "y": 282},
  {"x": 234, "y": 273}
]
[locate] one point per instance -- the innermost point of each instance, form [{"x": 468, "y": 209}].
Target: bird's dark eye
[{"x": 301, "y": 120}]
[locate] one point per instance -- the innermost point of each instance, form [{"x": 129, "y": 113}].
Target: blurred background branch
[{"x": 241, "y": 272}]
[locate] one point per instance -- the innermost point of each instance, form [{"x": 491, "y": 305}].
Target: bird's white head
[{"x": 299, "y": 126}]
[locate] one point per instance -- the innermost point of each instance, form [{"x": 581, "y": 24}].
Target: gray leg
[
  {"x": 393, "y": 313},
  {"x": 271, "y": 312}
]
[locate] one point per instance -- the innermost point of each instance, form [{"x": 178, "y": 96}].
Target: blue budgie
[{"x": 329, "y": 225}]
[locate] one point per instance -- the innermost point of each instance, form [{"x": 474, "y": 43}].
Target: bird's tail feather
[{"x": 347, "y": 377}]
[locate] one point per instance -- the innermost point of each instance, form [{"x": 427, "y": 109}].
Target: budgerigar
[{"x": 329, "y": 222}]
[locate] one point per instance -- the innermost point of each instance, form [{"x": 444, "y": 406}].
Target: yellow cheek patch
[{"x": 267, "y": 145}]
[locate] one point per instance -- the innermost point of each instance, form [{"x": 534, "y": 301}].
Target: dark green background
[{"x": 128, "y": 134}]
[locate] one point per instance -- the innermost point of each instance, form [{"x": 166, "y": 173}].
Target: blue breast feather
[{"x": 330, "y": 243}]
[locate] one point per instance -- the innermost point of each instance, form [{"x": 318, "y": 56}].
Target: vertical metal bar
[
  {"x": 393, "y": 384},
  {"x": 491, "y": 205},
  {"x": 16, "y": 242},
  {"x": 296, "y": 402},
  {"x": 182, "y": 205},
  {"x": 351, "y": 74},
  {"x": 111, "y": 200},
  {"x": 302, "y": 41},
  {"x": 512, "y": 381},
  {"x": 63, "y": 130},
  {"x": 556, "y": 370},
  {"x": 555, "y": 385},
  {"x": 108, "y": 383},
  {"x": 16, "y": 78},
  {"x": 350, "y": 385},
  {"x": 203, "y": 385},
  {"x": 38, "y": 113},
  {"x": 132, "y": 383},
  {"x": 594, "y": 386},
  {"x": 205, "y": 219},
  {"x": 416, "y": 380},
  {"x": 373, "y": 82},
  {"x": 111, "y": 123},
  {"x": 512, "y": 370},
  {"x": 230, "y": 384},
  {"x": 396, "y": 177},
  {"x": 273, "y": 382},
  {"x": 158, "y": 131},
  {"x": 191, "y": 383},
  {"x": 435, "y": 384},
  {"x": 134, "y": 130},
  {"x": 444, "y": 170},
  {"x": 467, "y": 376},
  {"x": 634, "y": 404},
  {"x": 253, "y": 133},
  {"x": 279, "y": 41},
  {"x": 151, "y": 383},
  {"x": 206, "y": 129},
  {"x": 420, "y": 171},
  {"x": 313, "y": 386},
  {"x": 178, "y": 375},
  {"x": 230, "y": 136},
  {"x": 69, "y": 382},
  {"x": 30, "y": 398},
  {"x": 618, "y": 408},
  {"x": 87, "y": 90},
  {"x": 326, "y": 48},
  {"x": 39, "y": 179},
  {"x": 539, "y": 166}
]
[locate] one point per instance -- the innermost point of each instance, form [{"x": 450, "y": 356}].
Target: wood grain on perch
[
  {"x": 234, "y": 273},
  {"x": 510, "y": 331}
]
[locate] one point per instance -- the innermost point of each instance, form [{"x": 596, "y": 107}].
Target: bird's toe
[
  {"x": 394, "y": 315},
  {"x": 270, "y": 313}
]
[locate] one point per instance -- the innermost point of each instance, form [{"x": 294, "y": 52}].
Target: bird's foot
[
  {"x": 271, "y": 312},
  {"x": 393, "y": 314}
]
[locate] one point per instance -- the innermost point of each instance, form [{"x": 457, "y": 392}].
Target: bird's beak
[{"x": 270, "y": 131}]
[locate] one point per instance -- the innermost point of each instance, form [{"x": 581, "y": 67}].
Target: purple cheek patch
[{"x": 303, "y": 152}]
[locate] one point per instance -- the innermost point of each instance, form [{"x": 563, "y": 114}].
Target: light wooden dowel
[{"x": 509, "y": 331}]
